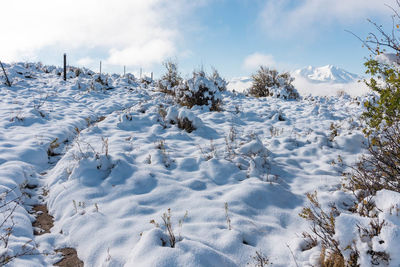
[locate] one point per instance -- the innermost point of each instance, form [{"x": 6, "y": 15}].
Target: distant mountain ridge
[{"x": 326, "y": 74}]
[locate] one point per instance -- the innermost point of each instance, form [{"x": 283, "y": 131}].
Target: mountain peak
[{"x": 327, "y": 73}]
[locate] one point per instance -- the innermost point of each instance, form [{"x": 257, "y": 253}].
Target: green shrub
[
  {"x": 385, "y": 110},
  {"x": 378, "y": 169}
]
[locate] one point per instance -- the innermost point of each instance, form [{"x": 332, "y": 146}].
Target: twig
[{"x": 291, "y": 252}]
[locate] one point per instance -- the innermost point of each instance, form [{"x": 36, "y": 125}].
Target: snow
[
  {"x": 233, "y": 186},
  {"x": 348, "y": 226},
  {"x": 388, "y": 58}
]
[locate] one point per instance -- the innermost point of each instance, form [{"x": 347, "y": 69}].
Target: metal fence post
[{"x": 65, "y": 67}]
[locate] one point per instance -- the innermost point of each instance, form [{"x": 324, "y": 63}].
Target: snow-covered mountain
[
  {"x": 326, "y": 74},
  {"x": 323, "y": 81}
]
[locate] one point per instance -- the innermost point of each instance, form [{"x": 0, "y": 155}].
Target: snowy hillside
[
  {"x": 105, "y": 155},
  {"x": 322, "y": 81}
]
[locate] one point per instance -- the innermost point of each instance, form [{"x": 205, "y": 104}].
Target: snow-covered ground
[
  {"x": 322, "y": 81},
  {"x": 232, "y": 187}
]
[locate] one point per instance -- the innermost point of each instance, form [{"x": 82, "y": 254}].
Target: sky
[{"x": 233, "y": 36}]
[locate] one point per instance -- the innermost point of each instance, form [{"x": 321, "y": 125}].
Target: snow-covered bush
[
  {"x": 253, "y": 156},
  {"x": 199, "y": 90},
  {"x": 146, "y": 81},
  {"x": 171, "y": 79},
  {"x": 219, "y": 82},
  {"x": 183, "y": 118},
  {"x": 101, "y": 82},
  {"x": 362, "y": 233},
  {"x": 248, "y": 153},
  {"x": 128, "y": 81},
  {"x": 268, "y": 82},
  {"x": 323, "y": 234},
  {"x": 351, "y": 237}
]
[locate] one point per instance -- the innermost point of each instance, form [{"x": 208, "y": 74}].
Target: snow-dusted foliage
[
  {"x": 373, "y": 236},
  {"x": 220, "y": 82},
  {"x": 101, "y": 82},
  {"x": 252, "y": 155},
  {"x": 171, "y": 79},
  {"x": 147, "y": 81},
  {"x": 199, "y": 90},
  {"x": 268, "y": 82}
]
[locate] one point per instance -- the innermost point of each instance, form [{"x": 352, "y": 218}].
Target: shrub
[
  {"x": 101, "y": 82},
  {"x": 323, "y": 229},
  {"x": 260, "y": 260},
  {"x": 219, "y": 82},
  {"x": 183, "y": 118},
  {"x": 160, "y": 145},
  {"x": 384, "y": 69},
  {"x": 168, "y": 228},
  {"x": 171, "y": 79},
  {"x": 268, "y": 82},
  {"x": 384, "y": 110},
  {"x": 146, "y": 81},
  {"x": 377, "y": 170},
  {"x": 380, "y": 168},
  {"x": 323, "y": 224},
  {"x": 199, "y": 90}
]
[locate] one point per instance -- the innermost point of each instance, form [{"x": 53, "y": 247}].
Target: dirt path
[
  {"x": 44, "y": 221},
  {"x": 42, "y": 225}
]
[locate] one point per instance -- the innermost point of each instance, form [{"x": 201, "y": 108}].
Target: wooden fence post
[
  {"x": 8, "y": 83},
  {"x": 65, "y": 66},
  {"x": 100, "y": 67},
  {"x": 124, "y": 70}
]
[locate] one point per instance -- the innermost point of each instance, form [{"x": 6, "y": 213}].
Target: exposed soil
[
  {"x": 44, "y": 220},
  {"x": 70, "y": 258}
]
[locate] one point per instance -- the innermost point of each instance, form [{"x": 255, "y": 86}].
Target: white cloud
[
  {"x": 289, "y": 17},
  {"x": 253, "y": 61},
  {"x": 86, "y": 61},
  {"x": 135, "y": 33},
  {"x": 152, "y": 51}
]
